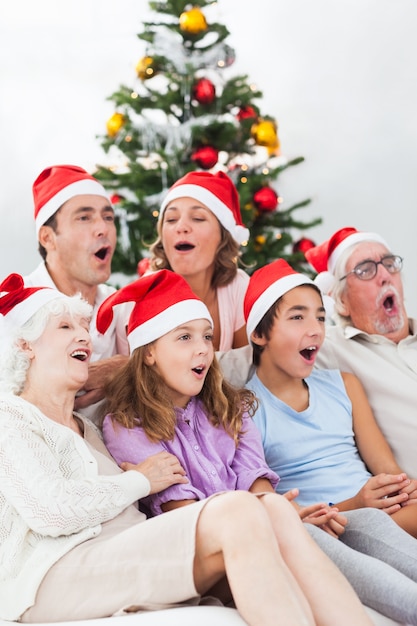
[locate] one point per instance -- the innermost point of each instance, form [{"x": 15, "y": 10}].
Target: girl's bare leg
[
  {"x": 329, "y": 594},
  {"x": 236, "y": 537}
]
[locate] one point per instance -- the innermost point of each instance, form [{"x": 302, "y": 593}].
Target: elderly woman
[
  {"x": 67, "y": 515},
  {"x": 200, "y": 231}
]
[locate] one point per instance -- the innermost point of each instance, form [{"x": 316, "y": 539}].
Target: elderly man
[
  {"x": 372, "y": 335},
  {"x": 77, "y": 237}
]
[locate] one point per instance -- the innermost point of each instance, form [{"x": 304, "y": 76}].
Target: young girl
[
  {"x": 171, "y": 396},
  {"x": 314, "y": 424}
]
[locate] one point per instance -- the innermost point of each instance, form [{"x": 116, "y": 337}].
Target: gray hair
[{"x": 14, "y": 362}]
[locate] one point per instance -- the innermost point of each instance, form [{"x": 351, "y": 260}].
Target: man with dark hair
[{"x": 77, "y": 237}]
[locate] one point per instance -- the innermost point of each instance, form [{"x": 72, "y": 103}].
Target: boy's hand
[
  {"x": 384, "y": 491},
  {"x": 411, "y": 491}
]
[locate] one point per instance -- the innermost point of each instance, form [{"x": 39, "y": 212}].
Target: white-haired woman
[{"x": 73, "y": 545}]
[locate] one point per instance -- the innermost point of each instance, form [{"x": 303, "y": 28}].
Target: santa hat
[
  {"x": 325, "y": 256},
  {"x": 59, "y": 183},
  {"x": 163, "y": 300},
  {"x": 19, "y": 303},
  {"x": 218, "y": 193},
  {"x": 266, "y": 285}
]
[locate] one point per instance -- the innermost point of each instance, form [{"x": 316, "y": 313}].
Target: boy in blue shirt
[{"x": 311, "y": 423}]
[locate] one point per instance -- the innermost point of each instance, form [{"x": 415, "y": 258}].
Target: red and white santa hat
[
  {"x": 59, "y": 183},
  {"x": 218, "y": 193},
  {"x": 266, "y": 285},
  {"x": 323, "y": 258},
  {"x": 19, "y": 303},
  {"x": 163, "y": 300}
]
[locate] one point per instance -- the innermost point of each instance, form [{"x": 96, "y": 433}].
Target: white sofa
[{"x": 185, "y": 616}]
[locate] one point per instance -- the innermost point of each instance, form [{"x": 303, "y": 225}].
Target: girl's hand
[
  {"x": 327, "y": 517},
  {"x": 162, "y": 470},
  {"x": 320, "y": 514}
]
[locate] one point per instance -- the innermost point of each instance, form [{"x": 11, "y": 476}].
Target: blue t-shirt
[{"x": 313, "y": 450}]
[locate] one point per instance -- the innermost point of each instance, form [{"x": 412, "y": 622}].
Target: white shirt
[{"x": 51, "y": 498}]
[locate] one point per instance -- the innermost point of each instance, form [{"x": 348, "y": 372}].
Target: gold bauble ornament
[
  {"x": 193, "y": 21},
  {"x": 145, "y": 68},
  {"x": 265, "y": 133},
  {"x": 114, "y": 124}
]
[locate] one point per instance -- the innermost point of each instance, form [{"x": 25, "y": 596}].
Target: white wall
[{"x": 338, "y": 75}]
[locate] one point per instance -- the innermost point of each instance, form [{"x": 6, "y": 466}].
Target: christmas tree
[{"x": 185, "y": 111}]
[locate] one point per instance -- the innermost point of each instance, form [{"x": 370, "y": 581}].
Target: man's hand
[
  {"x": 162, "y": 470},
  {"x": 99, "y": 373}
]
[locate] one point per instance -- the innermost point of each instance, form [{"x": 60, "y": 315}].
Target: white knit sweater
[{"x": 51, "y": 499}]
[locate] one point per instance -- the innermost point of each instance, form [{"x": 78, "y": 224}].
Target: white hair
[{"x": 14, "y": 362}]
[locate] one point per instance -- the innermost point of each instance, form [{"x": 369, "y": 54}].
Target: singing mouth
[
  {"x": 102, "y": 253},
  {"x": 389, "y": 303},
  {"x": 184, "y": 246},
  {"x": 308, "y": 353},
  {"x": 81, "y": 355}
]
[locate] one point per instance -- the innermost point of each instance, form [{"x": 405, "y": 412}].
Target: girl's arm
[
  {"x": 249, "y": 464},
  {"x": 261, "y": 485},
  {"x": 175, "y": 504},
  {"x": 383, "y": 490}
]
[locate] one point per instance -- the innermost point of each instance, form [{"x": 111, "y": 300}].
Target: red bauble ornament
[
  {"x": 246, "y": 113},
  {"x": 204, "y": 91},
  {"x": 302, "y": 245},
  {"x": 143, "y": 266},
  {"x": 116, "y": 198},
  {"x": 206, "y": 157},
  {"x": 265, "y": 199}
]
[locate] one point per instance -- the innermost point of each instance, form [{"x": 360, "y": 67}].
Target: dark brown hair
[{"x": 263, "y": 328}]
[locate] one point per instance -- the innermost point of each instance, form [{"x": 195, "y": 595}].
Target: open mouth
[
  {"x": 80, "y": 355},
  {"x": 308, "y": 353},
  {"x": 198, "y": 370},
  {"x": 389, "y": 303},
  {"x": 184, "y": 247},
  {"x": 102, "y": 253}
]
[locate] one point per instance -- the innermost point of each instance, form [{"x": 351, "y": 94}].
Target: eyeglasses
[{"x": 368, "y": 269}]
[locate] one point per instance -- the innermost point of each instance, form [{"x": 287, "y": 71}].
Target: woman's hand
[{"x": 162, "y": 470}]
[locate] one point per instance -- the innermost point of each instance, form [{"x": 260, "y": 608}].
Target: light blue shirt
[{"x": 313, "y": 450}]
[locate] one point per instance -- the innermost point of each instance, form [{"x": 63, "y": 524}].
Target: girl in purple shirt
[{"x": 172, "y": 397}]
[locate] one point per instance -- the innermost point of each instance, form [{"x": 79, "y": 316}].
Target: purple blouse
[{"x": 208, "y": 455}]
